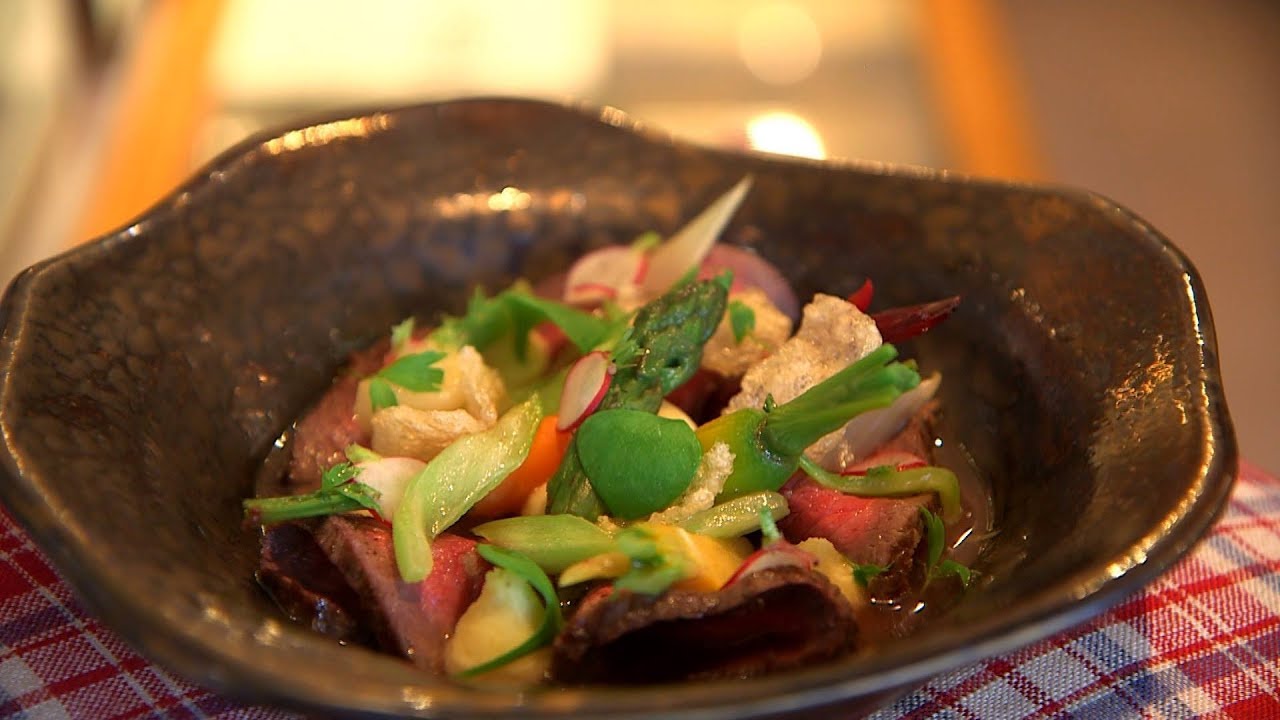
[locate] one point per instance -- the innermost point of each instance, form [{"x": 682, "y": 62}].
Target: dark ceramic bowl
[{"x": 147, "y": 375}]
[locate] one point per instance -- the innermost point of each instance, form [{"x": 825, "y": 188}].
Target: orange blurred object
[{"x": 548, "y": 449}]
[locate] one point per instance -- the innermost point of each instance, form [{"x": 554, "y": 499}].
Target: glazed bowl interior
[{"x": 148, "y": 375}]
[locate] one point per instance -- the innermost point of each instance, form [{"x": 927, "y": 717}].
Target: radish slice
[
  {"x": 389, "y": 476},
  {"x": 686, "y": 249},
  {"x": 896, "y": 459},
  {"x": 584, "y": 388},
  {"x": 779, "y": 554},
  {"x": 604, "y": 274}
]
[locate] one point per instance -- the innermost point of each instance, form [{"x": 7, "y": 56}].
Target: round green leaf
[{"x": 637, "y": 462}]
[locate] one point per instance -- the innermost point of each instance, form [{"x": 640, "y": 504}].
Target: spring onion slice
[
  {"x": 455, "y": 480},
  {"x": 893, "y": 483},
  {"x": 737, "y": 517}
]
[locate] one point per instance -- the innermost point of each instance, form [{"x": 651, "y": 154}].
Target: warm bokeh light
[
  {"x": 785, "y": 133},
  {"x": 779, "y": 42}
]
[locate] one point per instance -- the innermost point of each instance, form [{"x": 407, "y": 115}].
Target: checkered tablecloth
[{"x": 1203, "y": 641}]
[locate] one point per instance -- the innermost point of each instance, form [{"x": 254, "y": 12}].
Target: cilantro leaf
[
  {"x": 742, "y": 319},
  {"x": 415, "y": 372},
  {"x": 381, "y": 395},
  {"x": 584, "y": 330},
  {"x": 338, "y": 474}
]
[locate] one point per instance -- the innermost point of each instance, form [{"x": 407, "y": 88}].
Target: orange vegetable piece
[{"x": 549, "y": 446}]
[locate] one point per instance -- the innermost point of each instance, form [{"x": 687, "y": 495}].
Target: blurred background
[{"x": 1170, "y": 107}]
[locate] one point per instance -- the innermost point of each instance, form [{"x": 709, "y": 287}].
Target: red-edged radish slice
[
  {"x": 896, "y": 459},
  {"x": 603, "y": 274},
  {"x": 584, "y": 388},
  {"x": 686, "y": 249},
  {"x": 779, "y": 554},
  {"x": 389, "y": 476}
]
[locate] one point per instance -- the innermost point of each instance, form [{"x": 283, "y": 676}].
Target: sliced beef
[
  {"x": 310, "y": 589},
  {"x": 887, "y": 532},
  {"x": 330, "y": 426},
  {"x": 779, "y": 618},
  {"x": 879, "y": 531},
  {"x": 411, "y": 619}
]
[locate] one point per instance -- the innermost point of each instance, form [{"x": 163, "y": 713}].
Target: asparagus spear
[{"x": 657, "y": 355}]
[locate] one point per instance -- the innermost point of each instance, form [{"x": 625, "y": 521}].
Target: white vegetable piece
[
  {"x": 686, "y": 249},
  {"x": 389, "y": 476},
  {"x": 507, "y": 613},
  {"x": 868, "y": 431}
]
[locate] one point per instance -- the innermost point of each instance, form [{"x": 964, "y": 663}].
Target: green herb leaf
[
  {"x": 862, "y": 574},
  {"x": 401, "y": 333},
  {"x": 338, "y": 493},
  {"x": 935, "y": 537},
  {"x": 742, "y": 319},
  {"x": 638, "y": 462},
  {"x": 552, "y": 620},
  {"x": 336, "y": 475},
  {"x": 951, "y": 568},
  {"x": 584, "y": 330},
  {"x": 381, "y": 395},
  {"x": 415, "y": 372}
]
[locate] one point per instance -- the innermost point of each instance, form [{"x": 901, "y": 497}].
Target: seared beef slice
[
  {"x": 778, "y": 618},
  {"x": 330, "y": 426},
  {"x": 411, "y": 619}
]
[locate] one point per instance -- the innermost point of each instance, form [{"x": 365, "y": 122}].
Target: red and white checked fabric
[{"x": 1202, "y": 641}]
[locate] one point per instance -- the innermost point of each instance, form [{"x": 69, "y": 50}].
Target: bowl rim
[{"x": 200, "y": 658}]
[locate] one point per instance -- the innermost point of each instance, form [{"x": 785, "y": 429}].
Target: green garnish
[
  {"x": 739, "y": 516},
  {"x": 768, "y": 444},
  {"x": 415, "y": 372},
  {"x": 742, "y": 319},
  {"x": 456, "y": 479},
  {"x": 656, "y": 355},
  {"x": 554, "y": 542},
  {"x": 884, "y": 481},
  {"x": 339, "y": 492},
  {"x": 381, "y": 395},
  {"x": 401, "y": 333},
  {"x": 769, "y": 528},
  {"x": 552, "y": 620},
  {"x": 652, "y": 570},
  {"x": 638, "y": 462},
  {"x": 862, "y": 574},
  {"x": 935, "y": 538}
]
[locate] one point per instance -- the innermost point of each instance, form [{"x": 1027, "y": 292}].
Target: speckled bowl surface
[{"x": 146, "y": 376}]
